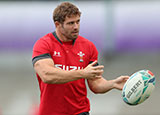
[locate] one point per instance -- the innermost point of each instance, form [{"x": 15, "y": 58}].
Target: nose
[{"x": 76, "y": 26}]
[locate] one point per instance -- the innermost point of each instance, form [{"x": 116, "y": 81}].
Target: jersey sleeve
[
  {"x": 41, "y": 50},
  {"x": 94, "y": 53}
]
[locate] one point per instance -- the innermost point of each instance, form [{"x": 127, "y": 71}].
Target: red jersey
[{"x": 68, "y": 98}]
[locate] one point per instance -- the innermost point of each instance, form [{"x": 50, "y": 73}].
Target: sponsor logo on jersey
[
  {"x": 64, "y": 67},
  {"x": 57, "y": 54},
  {"x": 81, "y": 54}
]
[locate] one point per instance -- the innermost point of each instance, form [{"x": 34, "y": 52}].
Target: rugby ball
[{"x": 138, "y": 87}]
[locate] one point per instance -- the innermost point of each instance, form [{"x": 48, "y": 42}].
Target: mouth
[{"x": 75, "y": 32}]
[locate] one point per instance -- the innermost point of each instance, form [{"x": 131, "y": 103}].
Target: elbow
[
  {"x": 47, "y": 81},
  {"x": 46, "y": 78},
  {"x": 96, "y": 91},
  {"x": 46, "y": 73}
]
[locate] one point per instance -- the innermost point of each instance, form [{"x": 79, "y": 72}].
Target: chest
[{"x": 70, "y": 57}]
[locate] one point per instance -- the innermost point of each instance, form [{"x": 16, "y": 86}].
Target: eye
[
  {"x": 70, "y": 23},
  {"x": 78, "y": 21}
]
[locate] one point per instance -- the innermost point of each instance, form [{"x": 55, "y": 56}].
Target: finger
[
  {"x": 125, "y": 77},
  {"x": 95, "y": 77},
  {"x": 98, "y": 67},
  {"x": 98, "y": 77},
  {"x": 94, "y": 63},
  {"x": 97, "y": 72}
]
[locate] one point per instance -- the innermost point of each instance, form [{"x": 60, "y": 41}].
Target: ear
[{"x": 56, "y": 23}]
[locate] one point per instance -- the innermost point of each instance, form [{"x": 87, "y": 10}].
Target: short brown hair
[{"x": 65, "y": 9}]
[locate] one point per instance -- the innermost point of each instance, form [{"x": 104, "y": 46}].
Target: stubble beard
[{"x": 71, "y": 35}]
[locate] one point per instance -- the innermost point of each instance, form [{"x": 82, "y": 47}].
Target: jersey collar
[{"x": 55, "y": 35}]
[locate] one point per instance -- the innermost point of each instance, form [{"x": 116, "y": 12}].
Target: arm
[
  {"x": 102, "y": 85},
  {"x": 50, "y": 74}
]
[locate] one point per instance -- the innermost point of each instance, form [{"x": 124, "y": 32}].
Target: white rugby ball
[{"x": 138, "y": 87}]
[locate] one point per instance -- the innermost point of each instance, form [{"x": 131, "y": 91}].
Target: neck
[{"x": 61, "y": 36}]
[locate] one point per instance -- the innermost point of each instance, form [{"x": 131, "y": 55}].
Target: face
[{"x": 70, "y": 27}]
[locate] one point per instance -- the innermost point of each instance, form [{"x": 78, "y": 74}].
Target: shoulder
[
  {"x": 87, "y": 44},
  {"x": 46, "y": 39},
  {"x": 84, "y": 40},
  {"x": 44, "y": 42}
]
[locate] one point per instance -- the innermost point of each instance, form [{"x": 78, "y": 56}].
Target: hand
[
  {"x": 93, "y": 72},
  {"x": 119, "y": 82}
]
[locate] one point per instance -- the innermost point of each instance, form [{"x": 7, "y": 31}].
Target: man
[{"x": 63, "y": 60}]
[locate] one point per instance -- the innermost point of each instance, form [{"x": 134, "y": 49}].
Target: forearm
[
  {"x": 59, "y": 76},
  {"x": 101, "y": 85},
  {"x": 50, "y": 74}
]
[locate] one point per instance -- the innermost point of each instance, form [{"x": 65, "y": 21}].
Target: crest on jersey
[{"x": 81, "y": 54}]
